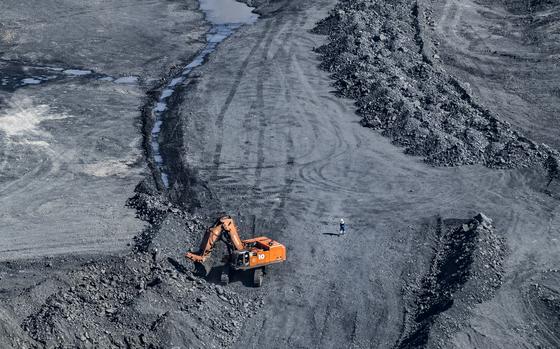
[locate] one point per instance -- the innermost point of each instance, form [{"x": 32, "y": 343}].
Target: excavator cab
[
  {"x": 241, "y": 259},
  {"x": 244, "y": 255}
]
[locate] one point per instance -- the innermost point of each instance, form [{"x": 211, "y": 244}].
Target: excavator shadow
[{"x": 214, "y": 276}]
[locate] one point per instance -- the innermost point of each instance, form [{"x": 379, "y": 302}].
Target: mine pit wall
[{"x": 184, "y": 188}]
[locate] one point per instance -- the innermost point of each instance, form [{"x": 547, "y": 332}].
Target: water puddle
[
  {"x": 227, "y": 12},
  {"x": 77, "y": 72},
  {"x": 30, "y": 81},
  {"x": 226, "y": 16},
  {"x": 127, "y": 80},
  {"x": 15, "y": 75}
]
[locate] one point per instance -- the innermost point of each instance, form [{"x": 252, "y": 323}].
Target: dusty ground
[
  {"x": 261, "y": 134},
  {"x": 507, "y": 51},
  {"x": 67, "y": 169},
  {"x": 71, "y": 147},
  {"x": 113, "y": 37},
  {"x": 270, "y": 140}
]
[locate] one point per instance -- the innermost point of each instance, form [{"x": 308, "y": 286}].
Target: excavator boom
[{"x": 224, "y": 225}]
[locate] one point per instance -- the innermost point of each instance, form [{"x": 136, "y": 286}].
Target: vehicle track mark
[
  {"x": 219, "y": 123},
  {"x": 260, "y": 105}
]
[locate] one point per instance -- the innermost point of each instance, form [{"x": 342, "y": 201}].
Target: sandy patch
[
  {"x": 21, "y": 121},
  {"x": 108, "y": 168},
  {"x": 7, "y": 36}
]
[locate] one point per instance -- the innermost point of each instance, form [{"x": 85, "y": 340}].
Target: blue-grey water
[{"x": 226, "y": 16}]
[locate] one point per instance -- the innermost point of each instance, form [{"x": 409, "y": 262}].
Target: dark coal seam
[{"x": 449, "y": 270}]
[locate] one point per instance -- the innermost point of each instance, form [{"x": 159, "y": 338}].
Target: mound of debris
[
  {"x": 466, "y": 268},
  {"x": 377, "y": 55},
  {"x": 541, "y": 297},
  {"x": 146, "y": 298},
  {"x": 138, "y": 302}
]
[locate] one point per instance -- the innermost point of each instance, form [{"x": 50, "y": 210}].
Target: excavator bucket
[
  {"x": 194, "y": 257},
  {"x": 201, "y": 267}
]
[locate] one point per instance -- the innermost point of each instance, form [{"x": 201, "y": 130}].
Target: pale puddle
[
  {"x": 227, "y": 12},
  {"x": 77, "y": 72},
  {"x": 41, "y": 74},
  {"x": 20, "y": 121},
  {"x": 226, "y": 16}
]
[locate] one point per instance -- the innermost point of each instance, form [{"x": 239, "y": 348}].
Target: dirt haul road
[{"x": 267, "y": 140}]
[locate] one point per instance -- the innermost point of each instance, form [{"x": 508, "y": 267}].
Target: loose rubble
[
  {"x": 378, "y": 57},
  {"x": 553, "y": 169},
  {"x": 146, "y": 298},
  {"x": 541, "y": 298},
  {"x": 467, "y": 268},
  {"x": 135, "y": 301}
]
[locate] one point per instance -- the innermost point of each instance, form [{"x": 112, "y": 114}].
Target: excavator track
[{"x": 258, "y": 277}]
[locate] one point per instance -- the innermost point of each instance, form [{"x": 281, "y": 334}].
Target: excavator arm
[{"x": 224, "y": 228}]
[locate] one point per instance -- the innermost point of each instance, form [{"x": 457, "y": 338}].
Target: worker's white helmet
[{"x": 342, "y": 221}]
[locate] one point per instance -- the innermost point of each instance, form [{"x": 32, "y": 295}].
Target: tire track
[
  {"x": 534, "y": 299},
  {"x": 260, "y": 105},
  {"x": 219, "y": 123}
]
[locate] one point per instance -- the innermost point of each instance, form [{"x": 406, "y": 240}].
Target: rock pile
[
  {"x": 541, "y": 298},
  {"x": 467, "y": 268},
  {"x": 138, "y": 302},
  {"x": 377, "y": 55},
  {"x": 141, "y": 300},
  {"x": 146, "y": 298}
]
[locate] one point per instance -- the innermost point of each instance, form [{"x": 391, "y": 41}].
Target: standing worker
[{"x": 342, "y": 227}]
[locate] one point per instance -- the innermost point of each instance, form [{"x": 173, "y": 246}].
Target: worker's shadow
[{"x": 331, "y": 234}]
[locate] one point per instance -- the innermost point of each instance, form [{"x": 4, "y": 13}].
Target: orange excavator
[{"x": 247, "y": 255}]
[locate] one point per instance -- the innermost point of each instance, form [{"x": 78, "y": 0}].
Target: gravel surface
[{"x": 259, "y": 133}]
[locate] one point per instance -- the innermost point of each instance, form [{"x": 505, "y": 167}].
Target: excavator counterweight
[{"x": 252, "y": 254}]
